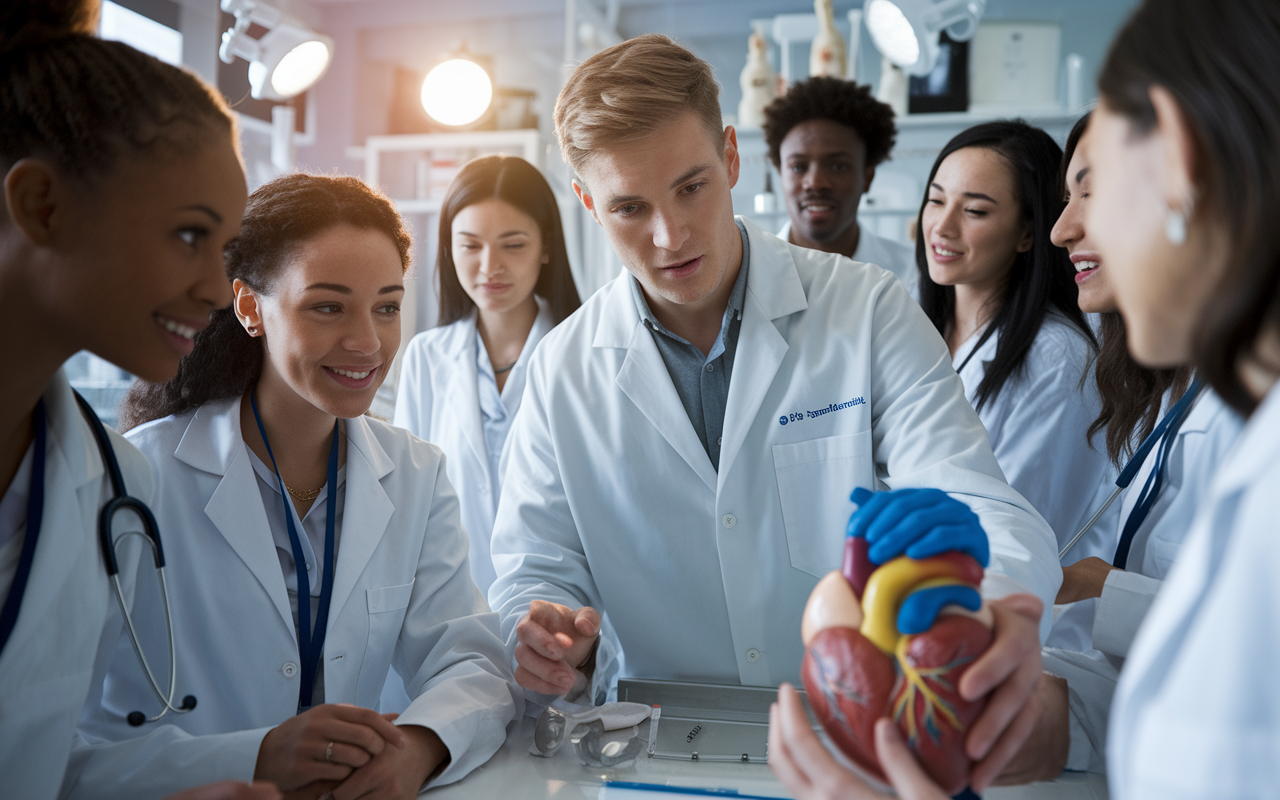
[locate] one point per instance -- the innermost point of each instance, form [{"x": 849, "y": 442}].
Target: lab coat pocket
[
  {"x": 387, "y": 606},
  {"x": 815, "y": 479},
  {"x": 389, "y": 598}
]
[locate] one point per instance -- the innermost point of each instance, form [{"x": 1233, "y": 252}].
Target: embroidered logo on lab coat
[{"x": 800, "y": 416}]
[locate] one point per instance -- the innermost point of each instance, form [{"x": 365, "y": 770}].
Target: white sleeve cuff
[{"x": 1126, "y": 597}]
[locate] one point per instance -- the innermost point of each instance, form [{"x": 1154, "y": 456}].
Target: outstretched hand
[{"x": 555, "y": 645}]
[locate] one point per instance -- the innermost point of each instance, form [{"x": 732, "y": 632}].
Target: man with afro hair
[{"x": 826, "y": 136}]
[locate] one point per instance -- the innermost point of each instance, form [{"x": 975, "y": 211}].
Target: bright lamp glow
[
  {"x": 300, "y": 68},
  {"x": 457, "y": 92},
  {"x": 906, "y": 31},
  {"x": 289, "y": 58},
  {"x": 892, "y": 32}
]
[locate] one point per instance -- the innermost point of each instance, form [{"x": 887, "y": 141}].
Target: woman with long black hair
[{"x": 1001, "y": 294}]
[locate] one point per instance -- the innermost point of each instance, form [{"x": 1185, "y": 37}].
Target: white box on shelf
[{"x": 1014, "y": 64}]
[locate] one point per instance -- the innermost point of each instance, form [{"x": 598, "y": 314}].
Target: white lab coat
[
  {"x": 1037, "y": 425},
  {"x": 898, "y": 258},
  {"x": 47, "y": 666},
  {"x": 438, "y": 400},
  {"x": 402, "y": 596},
  {"x": 1194, "y": 714},
  {"x": 610, "y": 500},
  {"x": 1201, "y": 444},
  {"x": 1206, "y": 436}
]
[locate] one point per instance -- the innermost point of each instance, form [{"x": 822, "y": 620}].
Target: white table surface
[{"x": 514, "y": 774}]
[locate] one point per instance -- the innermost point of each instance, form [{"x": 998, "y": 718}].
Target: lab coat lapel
[
  {"x": 644, "y": 379},
  {"x": 465, "y": 393},
  {"x": 212, "y": 443},
  {"x": 773, "y": 291},
  {"x": 71, "y": 460},
  {"x": 366, "y": 512}
]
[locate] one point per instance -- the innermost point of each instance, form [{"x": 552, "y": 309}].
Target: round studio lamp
[
  {"x": 290, "y": 61},
  {"x": 906, "y": 31},
  {"x": 457, "y": 92}
]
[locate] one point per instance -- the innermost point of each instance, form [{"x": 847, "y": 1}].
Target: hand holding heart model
[{"x": 892, "y": 632}]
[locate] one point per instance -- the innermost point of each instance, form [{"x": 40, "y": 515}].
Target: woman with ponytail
[
  {"x": 122, "y": 183},
  {"x": 320, "y": 547}
]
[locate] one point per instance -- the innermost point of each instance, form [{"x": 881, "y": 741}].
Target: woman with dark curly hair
[
  {"x": 319, "y": 547},
  {"x": 826, "y": 137}
]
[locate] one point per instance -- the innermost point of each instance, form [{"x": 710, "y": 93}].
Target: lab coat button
[
  {"x": 289, "y": 669},
  {"x": 753, "y": 655},
  {"x": 728, "y": 520}
]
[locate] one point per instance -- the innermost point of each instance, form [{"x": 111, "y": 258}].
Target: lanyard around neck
[
  {"x": 1170, "y": 424},
  {"x": 35, "y": 516},
  {"x": 1168, "y": 432},
  {"x": 310, "y": 643}
]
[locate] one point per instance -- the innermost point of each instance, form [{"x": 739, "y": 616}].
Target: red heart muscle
[
  {"x": 927, "y": 705},
  {"x": 851, "y": 682}
]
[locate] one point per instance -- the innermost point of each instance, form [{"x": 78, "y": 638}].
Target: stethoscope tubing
[
  {"x": 123, "y": 501},
  {"x": 1169, "y": 425}
]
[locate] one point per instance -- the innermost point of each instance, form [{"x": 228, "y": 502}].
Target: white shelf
[
  {"x": 418, "y": 206},
  {"x": 965, "y": 119}
]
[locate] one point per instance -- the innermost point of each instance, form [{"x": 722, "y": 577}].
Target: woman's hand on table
[{"x": 324, "y": 743}]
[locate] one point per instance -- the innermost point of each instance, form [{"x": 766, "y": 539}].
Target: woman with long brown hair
[{"x": 504, "y": 283}]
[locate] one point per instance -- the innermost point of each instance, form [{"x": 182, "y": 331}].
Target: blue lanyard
[
  {"x": 310, "y": 643},
  {"x": 35, "y": 515},
  {"x": 1165, "y": 433}
]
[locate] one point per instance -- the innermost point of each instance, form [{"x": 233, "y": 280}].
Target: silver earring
[
  {"x": 253, "y": 330},
  {"x": 1175, "y": 227}
]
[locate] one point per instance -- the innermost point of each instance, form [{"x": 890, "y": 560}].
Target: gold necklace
[{"x": 304, "y": 495}]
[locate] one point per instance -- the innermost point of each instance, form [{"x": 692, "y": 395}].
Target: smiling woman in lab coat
[
  {"x": 1185, "y": 197},
  {"x": 1001, "y": 294},
  {"x": 504, "y": 282},
  {"x": 271, "y": 401},
  {"x": 121, "y": 186}
]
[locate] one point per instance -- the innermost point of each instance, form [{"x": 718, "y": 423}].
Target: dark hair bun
[{"x": 28, "y": 23}]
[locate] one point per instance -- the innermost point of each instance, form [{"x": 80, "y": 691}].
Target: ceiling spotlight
[
  {"x": 289, "y": 58},
  {"x": 906, "y": 31},
  {"x": 458, "y": 91}
]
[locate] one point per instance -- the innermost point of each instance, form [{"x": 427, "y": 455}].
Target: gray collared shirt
[{"x": 702, "y": 381}]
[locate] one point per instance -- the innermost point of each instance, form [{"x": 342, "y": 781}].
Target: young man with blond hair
[{"x": 688, "y": 440}]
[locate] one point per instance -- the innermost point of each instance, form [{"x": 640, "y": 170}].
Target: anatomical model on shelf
[
  {"x": 826, "y": 56},
  {"x": 758, "y": 81},
  {"x": 859, "y": 666}
]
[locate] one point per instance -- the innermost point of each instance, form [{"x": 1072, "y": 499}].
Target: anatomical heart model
[{"x": 858, "y": 667}]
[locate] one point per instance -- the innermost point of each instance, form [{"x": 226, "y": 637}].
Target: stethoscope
[
  {"x": 121, "y": 501},
  {"x": 1164, "y": 435}
]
